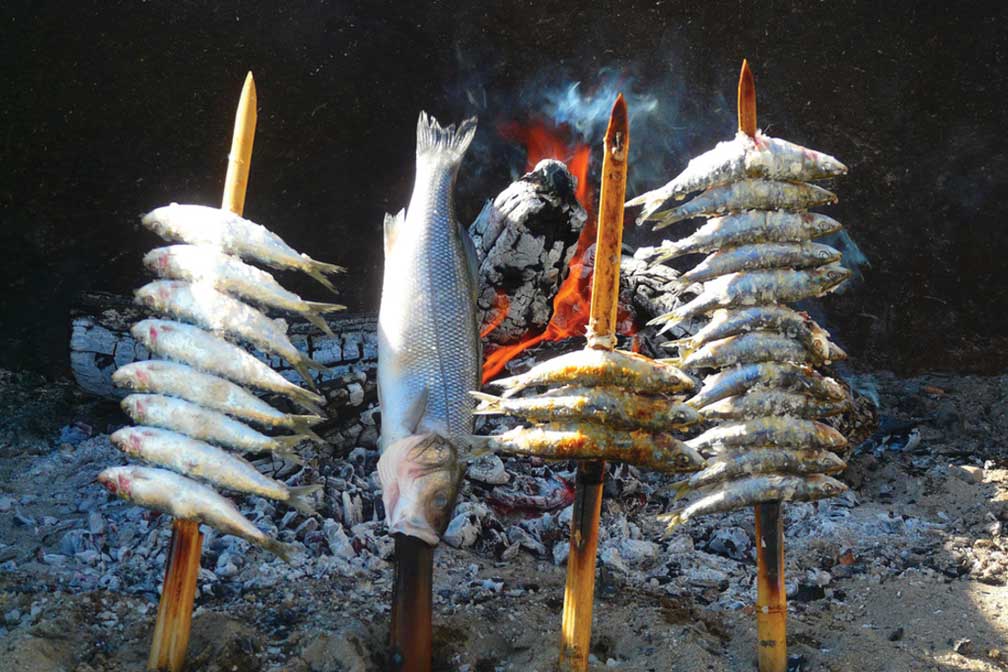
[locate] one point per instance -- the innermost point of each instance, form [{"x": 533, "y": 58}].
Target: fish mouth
[{"x": 414, "y": 526}]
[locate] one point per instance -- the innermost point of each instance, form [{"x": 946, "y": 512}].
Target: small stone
[
  {"x": 54, "y": 559},
  {"x": 638, "y": 552},
  {"x": 488, "y": 469},
  {"x": 288, "y": 518},
  {"x": 356, "y": 394},
  {"x": 12, "y": 617},
  {"x": 462, "y": 532},
  {"x": 731, "y": 542},
  {"x": 339, "y": 543},
  {"x": 610, "y": 557},
  {"x": 309, "y": 525},
  {"x": 96, "y": 522},
  {"x": 967, "y": 472},
  {"x": 963, "y": 646},
  {"x": 6, "y": 504},
  {"x": 896, "y": 635},
  {"x": 560, "y": 552}
]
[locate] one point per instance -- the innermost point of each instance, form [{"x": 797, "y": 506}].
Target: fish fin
[
  {"x": 416, "y": 410},
  {"x": 681, "y": 489},
  {"x": 302, "y": 367},
  {"x": 449, "y": 143},
  {"x": 278, "y": 548},
  {"x": 319, "y": 322},
  {"x": 319, "y": 276},
  {"x": 307, "y": 400},
  {"x": 323, "y": 267},
  {"x": 666, "y": 318},
  {"x": 390, "y": 228},
  {"x": 317, "y": 307},
  {"x": 683, "y": 344},
  {"x": 285, "y": 446},
  {"x": 663, "y": 219},
  {"x": 312, "y": 364},
  {"x": 671, "y": 361},
  {"x": 489, "y": 404},
  {"x": 672, "y": 520},
  {"x": 665, "y": 253},
  {"x": 301, "y": 498}
]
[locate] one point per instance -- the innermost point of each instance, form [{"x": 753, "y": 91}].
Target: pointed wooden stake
[
  {"x": 412, "y": 602},
  {"x": 771, "y": 600},
  {"x": 579, "y": 593},
  {"x": 174, "y": 617}
]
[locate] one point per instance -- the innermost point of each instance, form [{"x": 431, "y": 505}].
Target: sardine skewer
[
  {"x": 782, "y": 375},
  {"x": 729, "y": 466},
  {"x": 757, "y": 257}
]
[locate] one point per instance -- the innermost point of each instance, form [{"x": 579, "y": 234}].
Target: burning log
[{"x": 524, "y": 240}]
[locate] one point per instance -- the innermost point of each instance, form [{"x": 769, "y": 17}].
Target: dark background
[{"x": 109, "y": 109}]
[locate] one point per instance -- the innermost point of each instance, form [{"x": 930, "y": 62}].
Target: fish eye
[{"x": 440, "y": 500}]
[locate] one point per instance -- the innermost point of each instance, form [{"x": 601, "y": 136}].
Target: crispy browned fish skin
[
  {"x": 767, "y": 402},
  {"x": 782, "y": 375},
  {"x": 768, "y": 431},
  {"x": 783, "y": 320},
  {"x": 729, "y": 466}
]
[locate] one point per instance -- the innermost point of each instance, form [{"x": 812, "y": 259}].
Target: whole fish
[
  {"x": 781, "y": 375},
  {"x": 157, "y": 410},
  {"x": 186, "y": 499},
  {"x": 591, "y": 368},
  {"x": 231, "y": 275},
  {"x": 753, "y": 288},
  {"x": 610, "y": 406},
  {"x": 232, "y": 234},
  {"x": 428, "y": 332},
  {"x": 215, "y": 311},
  {"x": 754, "y": 346},
  {"x": 584, "y": 441},
  {"x": 198, "y": 459},
  {"x": 760, "y": 402},
  {"x": 191, "y": 345},
  {"x": 731, "y": 466},
  {"x": 746, "y": 228},
  {"x": 180, "y": 380},
  {"x": 780, "y": 319},
  {"x": 746, "y": 195},
  {"x": 753, "y": 490},
  {"x": 783, "y": 432},
  {"x": 420, "y": 476},
  {"x": 758, "y": 256},
  {"x": 739, "y": 158}
]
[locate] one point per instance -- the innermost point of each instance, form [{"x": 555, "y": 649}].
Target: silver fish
[
  {"x": 727, "y": 467},
  {"x": 591, "y": 368},
  {"x": 213, "y": 227},
  {"x": 586, "y": 441},
  {"x": 783, "y": 432},
  {"x": 157, "y": 410},
  {"x": 752, "y": 288},
  {"x": 180, "y": 380},
  {"x": 754, "y": 490},
  {"x": 428, "y": 334},
  {"x": 758, "y": 256},
  {"x": 191, "y": 345},
  {"x": 605, "y": 405},
  {"x": 746, "y": 195},
  {"x": 198, "y": 459},
  {"x": 231, "y": 275},
  {"x": 746, "y": 228},
  {"x": 186, "y": 499},
  {"x": 760, "y": 402},
  {"x": 754, "y": 346},
  {"x": 739, "y": 158},
  {"x": 780, "y": 319},
  {"x": 205, "y": 307},
  {"x": 785, "y": 376}
]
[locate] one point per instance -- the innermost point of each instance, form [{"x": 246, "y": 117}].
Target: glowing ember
[
  {"x": 501, "y": 305},
  {"x": 572, "y": 303}
]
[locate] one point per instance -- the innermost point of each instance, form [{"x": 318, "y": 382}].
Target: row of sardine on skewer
[
  {"x": 190, "y": 403},
  {"x": 767, "y": 394}
]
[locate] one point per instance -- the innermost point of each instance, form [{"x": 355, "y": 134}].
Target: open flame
[{"x": 572, "y": 303}]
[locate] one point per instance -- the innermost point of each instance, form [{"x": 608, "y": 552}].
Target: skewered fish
[
  {"x": 589, "y": 368},
  {"x": 754, "y": 346},
  {"x": 198, "y": 459},
  {"x": 780, "y": 319},
  {"x": 756, "y": 257},
  {"x": 769, "y": 432},
  {"x": 191, "y": 345},
  {"x": 157, "y": 410},
  {"x": 186, "y": 499},
  {"x": 202, "y": 225},
  {"x": 610, "y": 406},
  {"x": 760, "y": 402},
  {"x": 233, "y": 276},
  {"x": 730, "y": 466},
  {"x": 579, "y": 441},
  {"x": 785, "y": 376}
]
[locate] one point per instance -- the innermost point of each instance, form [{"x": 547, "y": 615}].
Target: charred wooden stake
[
  {"x": 580, "y": 589},
  {"x": 412, "y": 603},
  {"x": 174, "y": 618},
  {"x": 771, "y": 601}
]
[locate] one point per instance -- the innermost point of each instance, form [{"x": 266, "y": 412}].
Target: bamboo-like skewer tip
[{"x": 746, "y": 101}]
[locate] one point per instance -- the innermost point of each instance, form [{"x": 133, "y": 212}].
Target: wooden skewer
[
  {"x": 174, "y": 617},
  {"x": 579, "y": 592},
  {"x": 771, "y": 600},
  {"x": 412, "y": 602}
]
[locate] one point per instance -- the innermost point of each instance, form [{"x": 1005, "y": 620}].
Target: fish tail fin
[
  {"x": 671, "y": 361},
  {"x": 449, "y": 144},
  {"x": 302, "y": 367},
  {"x": 670, "y": 318},
  {"x": 478, "y": 446},
  {"x": 302, "y": 424},
  {"x": 318, "y": 274},
  {"x": 663, "y": 218},
  {"x": 315, "y": 311},
  {"x": 278, "y": 548},
  {"x": 682, "y": 344},
  {"x": 489, "y": 404},
  {"x": 312, "y": 364},
  {"x": 664, "y": 253},
  {"x": 301, "y": 498},
  {"x": 323, "y": 267},
  {"x": 319, "y": 322},
  {"x": 680, "y": 488},
  {"x": 285, "y": 445},
  {"x": 672, "y": 520}
]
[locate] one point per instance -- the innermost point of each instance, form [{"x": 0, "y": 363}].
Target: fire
[
  {"x": 572, "y": 303},
  {"x": 501, "y": 305}
]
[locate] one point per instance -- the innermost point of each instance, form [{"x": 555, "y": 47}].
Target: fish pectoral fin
[
  {"x": 415, "y": 412},
  {"x": 390, "y": 228}
]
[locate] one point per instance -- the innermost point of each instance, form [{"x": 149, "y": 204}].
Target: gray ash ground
[{"x": 908, "y": 571}]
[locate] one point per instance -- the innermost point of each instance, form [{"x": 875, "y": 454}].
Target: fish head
[
  {"x": 134, "y": 406},
  {"x": 826, "y": 254},
  {"x": 831, "y": 487},
  {"x": 832, "y": 275},
  {"x": 156, "y": 261},
  {"x": 116, "y": 480},
  {"x": 821, "y": 224},
  {"x": 420, "y": 476},
  {"x": 127, "y": 439}
]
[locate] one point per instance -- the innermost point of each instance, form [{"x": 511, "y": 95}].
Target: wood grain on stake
[
  {"x": 174, "y": 617},
  {"x": 579, "y": 593},
  {"x": 771, "y": 600}
]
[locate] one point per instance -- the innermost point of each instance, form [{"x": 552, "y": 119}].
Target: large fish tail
[
  {"x": 447, "y": 144},
  {"x": 489, "y": 404},
  {"x": 301, "y": 498},
  {"x": 278, "y": 548}
]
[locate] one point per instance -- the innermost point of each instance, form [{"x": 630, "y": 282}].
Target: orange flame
[
  {"x": 501, "y": 305},
  {"x": 572, "y": 303}
]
